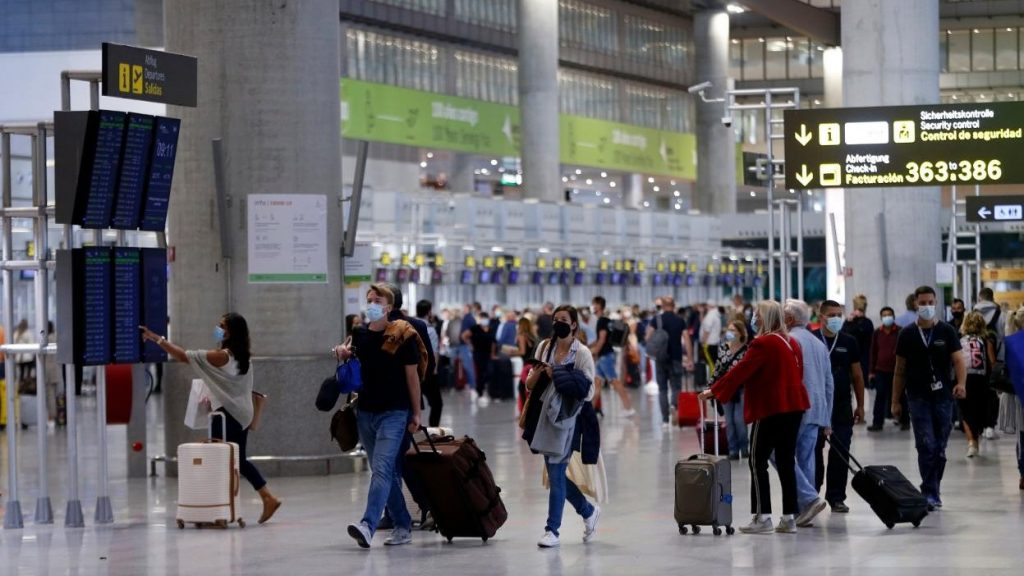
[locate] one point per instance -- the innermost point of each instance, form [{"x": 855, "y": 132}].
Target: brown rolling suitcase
[
  {"x": 454, "y": 476},
  {"x": 704, "y": 490}
]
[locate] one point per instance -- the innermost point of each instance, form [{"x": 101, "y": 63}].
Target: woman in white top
[{"x": 228, "y": 377}]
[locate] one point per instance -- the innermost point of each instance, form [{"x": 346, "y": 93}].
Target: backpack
[
  {"x": 657, "y": 344},
  {"x": 618, "y": 333}
]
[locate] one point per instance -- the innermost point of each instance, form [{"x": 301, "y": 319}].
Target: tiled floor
[{"x": 979, "y": 532}]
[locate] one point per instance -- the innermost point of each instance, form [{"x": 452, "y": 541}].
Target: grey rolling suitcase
[{"x": 704, "y": 490}]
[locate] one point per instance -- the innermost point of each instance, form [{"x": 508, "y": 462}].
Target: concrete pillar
[
  {"x": 716, "y": 144},
  {"x": 538, "y": 98},
  {"x": 462, "y": 178},
  {"x": 633, "y": 191},
  {"x": 835, "y": 198},
  {"x": 268, "y": 86},
  {"x": 891, "y": 57}
]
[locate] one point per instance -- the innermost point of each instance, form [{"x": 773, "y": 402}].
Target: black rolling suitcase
[
  {"x": 893, "y": 498},
  {"x": 502, "y": 383}
]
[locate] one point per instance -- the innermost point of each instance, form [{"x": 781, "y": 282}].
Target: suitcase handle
[
  {"x": 416, "y": 445},
  {"x": 845, "y": 455},
  {"x": 702, "y": 432},
  {"x": 223, "y": 427}
]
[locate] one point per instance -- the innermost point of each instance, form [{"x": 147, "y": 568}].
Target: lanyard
[
  {"x": 834, "y": 342},
  {"x": 927, "y": 341}
]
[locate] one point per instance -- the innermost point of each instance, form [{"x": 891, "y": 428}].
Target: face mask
[
  {"x": 888, "y": 320},
  {"x": 374, "y": 312},
  {"x": 958, "y": 315},
  {"x": 218, "y": 334},
  {"x": 753, "y": 324},
  {"x": 730, "y": 336},
  {"x": 834, "y": 324},
  {"x": 562, "y": 329},
  {"x": 926, "y": 312}
]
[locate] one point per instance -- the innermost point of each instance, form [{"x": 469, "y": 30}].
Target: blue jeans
[
  {"x": 736, "y": 427},
  {"x": 606, "y": 367},
  {"x": 382, "y": 435},
  {"x": 806, "y": 443},
  {"x": 883, "y": 398},
  {"x": 563, "y": 489},
  {"x": 932, "y": 421},
  {"x": 1020, "y": 454},
  {"x": 669, "y": 376},
  {"x": 465, "y": 352}
]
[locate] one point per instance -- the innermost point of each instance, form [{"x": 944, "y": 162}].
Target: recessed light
[
  {"x": 675, "y": 193},
  {"x": 589, "y": 181},
  {"x": 753, "y": 194},
  {"x": 423, "y": 164},
  {"x": 430, "y": 154},
  {"x": 611, "y": 184},
  {"x": 597, "y": 193},
  {"x": 657, "y": 189},
  {"x": 650, "y": 180},
  {"x": 578, "y": 171},
  {"x": 672, "y": 182},
  {"x": 679, "y": 206},
  {"x": 494, "y": 162},
  {"x": 647, "y": 204},
  {"x": 607, "y": 200},
  {"x": 565, "y": 178},
  {"x": 604, "y": 174}
]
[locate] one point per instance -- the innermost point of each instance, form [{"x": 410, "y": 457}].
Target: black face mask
[
  {"x": 562, "y": 329},
  {"x": 958, "y": 315}
]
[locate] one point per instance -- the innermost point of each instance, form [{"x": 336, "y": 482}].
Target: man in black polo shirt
[
  {"x": 844, "y": 356},
  {"x": 927, "y": 353}
]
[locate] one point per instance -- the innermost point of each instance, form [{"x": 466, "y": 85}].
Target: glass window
[
  {"x": 428, "y": 6},
  {"x": 657, "y": 42},
  {"x": 799, "y": 58},
  {"x": 982, "y": 49},
  {"x": 735, "y": 59},
  {"x": 1006, "y": 49},
  {"x": 775, "y": 58},
  {"x": 753, "y": 59},
  {"x": 944, "y": 53},
  {"x": 817, "y": 60},
  {"x": 499, "y": 14},
  {"x": 959, "y": 50}
]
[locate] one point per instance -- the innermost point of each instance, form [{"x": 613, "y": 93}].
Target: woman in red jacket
[{"x": 774, "y": 402}]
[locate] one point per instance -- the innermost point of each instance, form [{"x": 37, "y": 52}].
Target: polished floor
[{"x": 980, "y": 530}]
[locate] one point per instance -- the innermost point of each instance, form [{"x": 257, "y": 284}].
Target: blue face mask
[
  {"x": 218, "y": 334},
  {"x": 374, "y": 312},
  {"x": 730, "y": 336},
  {"x": 834, "y": 324},
  {"x": 888, "y": 320}
]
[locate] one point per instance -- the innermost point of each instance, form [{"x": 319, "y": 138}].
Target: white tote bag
[{"x": 197, "y": 413}]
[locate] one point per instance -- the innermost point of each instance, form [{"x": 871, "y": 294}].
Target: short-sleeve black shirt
[
  {"x": 943, "y": 341},
  {"x": 843, "y": 356},
  {"x": 384, "y": 384},
  {"x": 603, "y": 323}
]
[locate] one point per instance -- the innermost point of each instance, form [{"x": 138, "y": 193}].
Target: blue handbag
[{"x": 350, "y": 376}]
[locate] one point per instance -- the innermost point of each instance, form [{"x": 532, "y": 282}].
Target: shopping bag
[{"x": 197, "y": 413}]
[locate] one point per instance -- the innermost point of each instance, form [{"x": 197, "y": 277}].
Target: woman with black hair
[{"x": 228, "y": 377}]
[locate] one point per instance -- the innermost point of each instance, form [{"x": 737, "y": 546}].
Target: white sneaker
[
  {"x": 786, "y": 526},
  {"x": 628, "y": 413},
  {"x": 398, "y": 537},
  {"x": 758, "y": 525},
  {"x": 972, "y": 450},
  {"x": 550, "y": 540},
  {"x": 990, "y": 433},
  {"x": 361, "y": 534},
  {"x": 483, "y": 400},
  {"x": 813, "y": 509},
  {"x": 590, "y": 524},
  {"x": 651, "y": 388}
]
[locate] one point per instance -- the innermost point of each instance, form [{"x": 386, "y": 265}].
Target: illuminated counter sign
[{"x": 905, "y": 146}]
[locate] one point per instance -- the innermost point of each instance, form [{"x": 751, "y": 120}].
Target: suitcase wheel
[
  {"x": 730, "y": 530},
  {"x": 449, "y": 539},
  {"x": 716, "y": 531},
  {"x": 916, "y": 524},
  {"x": 889, "y": 525},
  {"x": 682, "y": 529},
  {"x": 696, "y": 529},
  {"x": 241, "y": 523},
  {"x": 484, "y": 538},
  {"x": 181, "y": 524}
]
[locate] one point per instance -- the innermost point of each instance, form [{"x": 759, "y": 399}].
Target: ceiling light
[
  {"x": 679, "y": 206},
  {"x": 423, "y": 164},
  {"x": 604, "y": 174},
  {"x": 430, "y": 154},
  {"x": 578, "y": 171},
  {"x": 565, "y": 179},
  {"x": 657, "y": 189},
  {"x": 485, "y": 171},
  {"x": 589, "y": 182},
  {"x": 1009, "y": 29},
  {"x": 675, "y": 193},
  {"x": 753, "y": 194},
  {"x": 494, "y": 162},
  {"x": 573, "y": 177},
  {"x": 647, "y": 204},
  {"x": 672, "y": 182},
  {"x": 607, "y": 200},
  {"x": 761, "y": 40},
  {"x": 976, "y": 31},
  {"x": 734, "y": 8},
  {"x": 611, "y": 184},
  {"x": 468, "y": 248},
  {"x": 477, "y": 172},
  {"x": 543, "y": 250},
  {"x": 597, "y": 193},
  {"x": 497, "y": 249},
  {"x": 650, "y": 180}
]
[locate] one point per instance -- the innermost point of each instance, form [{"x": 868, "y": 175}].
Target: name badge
[{"x": 936, "y": 386}]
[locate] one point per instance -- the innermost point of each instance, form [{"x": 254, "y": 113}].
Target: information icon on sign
[
  {"x": 830, "y": 175},
  {"x": 903, "y": 131},
  {"x": 828, "y": 134}
]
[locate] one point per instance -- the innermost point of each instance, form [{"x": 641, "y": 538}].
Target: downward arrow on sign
[
  {"x": 804, "y": 177},
  {"x": 803, "y": 137}
]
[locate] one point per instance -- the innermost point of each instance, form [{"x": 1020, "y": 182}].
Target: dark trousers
[
  {"x": 835, "y": 474},
  {"x": 431, "y": 388},
  {"x": 932, "y": 419},
  {"x": 883, "y": 398},
  {"x": 776, "y": 433},
  {"x": 238, "y": 435},
  {"x": 976, "y": 407}
]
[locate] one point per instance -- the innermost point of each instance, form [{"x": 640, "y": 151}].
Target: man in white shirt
[{"x": 711, "y": 334}]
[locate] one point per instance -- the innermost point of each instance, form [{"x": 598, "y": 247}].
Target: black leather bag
[
  {"x": 344, "y": 430},
  {"x": 328, "y": 395}
]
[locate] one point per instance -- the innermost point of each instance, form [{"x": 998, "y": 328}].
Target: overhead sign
[
  {"x": 384, "y": 113},
  {"x": 995, "y": 208},
  {"x": 151, "y": 75},
  {"x": 905, "y": 146}
]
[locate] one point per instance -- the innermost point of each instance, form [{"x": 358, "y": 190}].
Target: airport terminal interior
[{"x": 511, "y": 286}]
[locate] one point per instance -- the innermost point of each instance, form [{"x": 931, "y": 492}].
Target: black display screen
[
  {"x": 513, "y": 277},
  {"x": 616, "y": 278},
  {"x": 577, "y": 278},
  {"x": 497, "y": 277},
  {"x": 691, "y": 280},
  {"x": 105, "y": 153},
  {"x": 127, "y": 306},
  {"x": 485, "y": 277},
  {"x": 401, "y": 276},
  {"x": 134, "y": 161},
  {"x": 154, "y": 299},
  {"x": 600, "y": 278},
  {"x": 414, "y": 275},
  {"x": 552, "y": 278},
  {"x": 95, "y": 293},
  {"x": 161, "y": 172},
  {"x": 437, "y": 276},
  {"x": 638, "y": 279},
  {"x": 466, "y": 277},
  {"x": 656, "y": 280},
  {"x": 537, "y": 278}
]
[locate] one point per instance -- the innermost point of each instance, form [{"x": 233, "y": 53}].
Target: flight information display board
[
  {"x": 134, "y": 163},
  {"x": 934, "y": 145},
  {"x": 98, "y": 179},
  {"x": 127, "y": 306},
  {"x": 154, "y": 300},
  {"x": 161, "y": 172},
  {"x": 92, "y": 305}
]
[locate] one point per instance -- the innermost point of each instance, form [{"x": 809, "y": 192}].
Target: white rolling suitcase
[{"x": 208, "y": 481}]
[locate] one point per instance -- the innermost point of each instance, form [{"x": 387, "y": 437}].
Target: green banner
[{"x": 384, "y": 113}]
